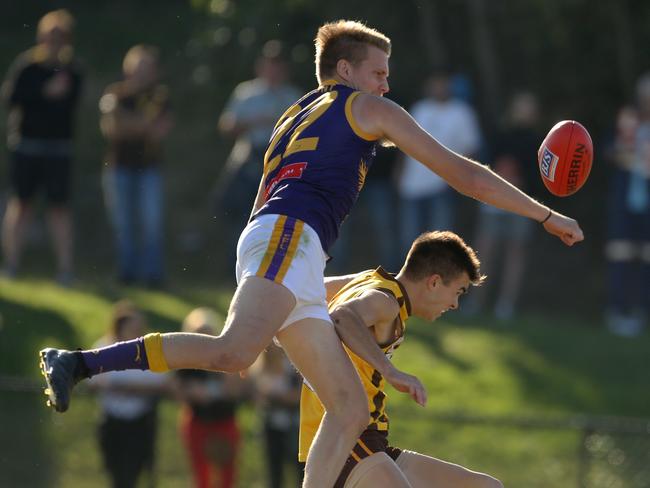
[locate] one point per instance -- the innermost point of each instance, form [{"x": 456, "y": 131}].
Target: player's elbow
[
  {"x": 352, "y": 416},
  {"x": 346, "y": 319},
  {"x": 338, "y": 316}
]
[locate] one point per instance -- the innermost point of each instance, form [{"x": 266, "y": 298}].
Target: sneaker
[{"x": 62, "y": 370}]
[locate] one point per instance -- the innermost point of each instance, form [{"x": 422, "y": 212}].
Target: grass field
[{"x": 536, "y": 369}]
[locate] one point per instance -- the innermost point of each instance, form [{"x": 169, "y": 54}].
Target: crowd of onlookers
[
  {"x": 207, "y": 420},
  {"x": 41, "y": 92}
]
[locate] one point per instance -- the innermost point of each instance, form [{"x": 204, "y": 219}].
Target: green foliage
[{"x": 538, "y": 369}]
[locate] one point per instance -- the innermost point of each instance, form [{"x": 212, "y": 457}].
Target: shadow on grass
[
  {"x": 24, "y": 457},
  {"x": 190, "y": 295},
  {"x": 22, "y": 333},
  {"x": 432, "y": 337},
  {"x": 612, "y": 371},
  {"x": 24, "y": 460},
  {"x": 573, "y": 366}
]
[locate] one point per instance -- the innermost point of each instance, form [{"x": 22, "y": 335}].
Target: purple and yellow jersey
[
  {"x": 317, "y": 160},
  {"x": 311, "y": 409}
]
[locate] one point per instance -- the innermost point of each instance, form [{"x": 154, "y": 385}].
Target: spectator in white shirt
[{"x": 426, "y": 200}]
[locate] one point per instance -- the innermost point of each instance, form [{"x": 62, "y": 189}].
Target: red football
[{"x": 565, "y": 158}]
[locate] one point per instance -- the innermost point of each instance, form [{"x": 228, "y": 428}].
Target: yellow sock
[{"x": 154, "y": 350}]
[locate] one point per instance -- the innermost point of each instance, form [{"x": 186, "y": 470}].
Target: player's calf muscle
[{"x": 199, "y": 351}]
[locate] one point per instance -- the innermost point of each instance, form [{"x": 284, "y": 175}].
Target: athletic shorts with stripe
[
  {"x": 370, "y": 442},
  {"x": 287, "y": 251}
]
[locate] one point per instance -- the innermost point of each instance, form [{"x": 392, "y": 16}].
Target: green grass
[{"x": 536, "y": 368}]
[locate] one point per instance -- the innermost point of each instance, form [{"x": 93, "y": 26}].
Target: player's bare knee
[
  {"x": 352, "y": 427},
  {"x": 231, "y": 361},
  {"x": 232, "y": 355},
  {"x": 361, "y": 417},
  {"x": 353, "y": 415},
  {"x": 234, "y": 361}
]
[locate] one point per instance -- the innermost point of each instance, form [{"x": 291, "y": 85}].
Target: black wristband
[{"x": 550, "y": 212}]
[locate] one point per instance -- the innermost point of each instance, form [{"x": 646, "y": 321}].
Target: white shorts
[{"x": 289, "y": 252}]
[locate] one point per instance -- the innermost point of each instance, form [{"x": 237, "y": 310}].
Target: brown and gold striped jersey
[{"x": 311, "y": 409}]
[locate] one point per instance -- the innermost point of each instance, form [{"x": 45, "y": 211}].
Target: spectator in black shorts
[{"x": 41, "y": 91}]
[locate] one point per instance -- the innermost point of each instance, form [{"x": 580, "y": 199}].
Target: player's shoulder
[
  {"x": 367, "y": 111},
  {"x": 370, "y": 100},
  {"x": 382, "y": 302},
  {"x": 368, "y": 107}
]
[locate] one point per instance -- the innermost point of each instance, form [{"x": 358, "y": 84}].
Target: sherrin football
[{"x": 565, "y": 158}]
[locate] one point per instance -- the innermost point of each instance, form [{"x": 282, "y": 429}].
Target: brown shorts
[{"x": 370, "y": 442}]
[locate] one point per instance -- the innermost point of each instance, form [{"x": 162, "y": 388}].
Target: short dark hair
[
  {"x": 345, "y": 39},
  {"x": 443, "y": 253}
]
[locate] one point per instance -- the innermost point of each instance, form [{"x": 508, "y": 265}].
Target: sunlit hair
[
  {"x": 138, "y": 52},
  {"x": 202, "y": 320},
  {"x": 57, "y": 19},
  {"x": 443, "y": 253},
  {"x": 345, "y": 39}
]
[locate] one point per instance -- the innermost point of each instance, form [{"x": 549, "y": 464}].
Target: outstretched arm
[
  {"x": 388, "y": 120},
  {"x": 352, "y": 320}
]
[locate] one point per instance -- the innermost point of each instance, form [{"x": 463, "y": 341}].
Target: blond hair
[
  {"x": 202, "y": 320},
  {"x": 56, "y": 19},
  {"x": 345, "y": 39},
  {"x": 138, "y": 52}
]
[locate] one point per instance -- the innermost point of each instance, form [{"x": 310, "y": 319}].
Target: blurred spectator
[
  {"x": 207, "y": 420},
  {"x": 628, "y": 235},
  {"x": 503, "y": 235},
  {"x": 461, "y": 88},
  {"x": 426, "y": 201},
  {"x": 42, "y": 90},
  {"x": 277, "y": 387},
  {"x": 128, "y": 399},
  {"x": 135, "y": 119},
  {"x": 380, "y": 199},
  {"x": 250, "y": 115}
]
